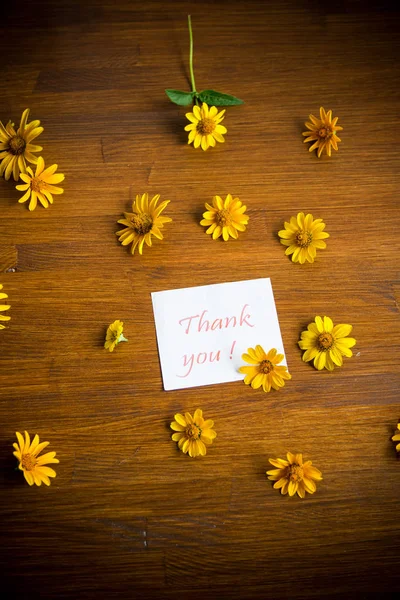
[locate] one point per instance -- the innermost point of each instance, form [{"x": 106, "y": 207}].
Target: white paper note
[{"x": 203, "y": 331}]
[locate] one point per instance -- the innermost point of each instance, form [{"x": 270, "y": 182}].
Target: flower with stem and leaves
[{"x": 210, "y": 97}]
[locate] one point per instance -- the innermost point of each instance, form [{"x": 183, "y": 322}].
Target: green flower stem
[
  {"x": 122, "y": 338},
  {"x": 191, "y": 58}
]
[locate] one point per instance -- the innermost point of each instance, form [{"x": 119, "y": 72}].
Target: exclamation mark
[{"x": 232, "y": 349}]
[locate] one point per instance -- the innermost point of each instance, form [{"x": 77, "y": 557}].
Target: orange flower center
[
  {"x": 28, "y": 462},
  {"x": 295, "y": 473},
  {"x": 325, "y": 132},
  {"x": 325, "y": 341},
  {"x": 205, "y": 126},
  {"x": 17, "y": 145},
  {"x": 141, "y": 223},
  {"x": 303, "y": 238},
  {"x": 266, "y": 367},
  {"x": 223, "y": 217},
  {"x": 193, "y": 432},
  {"x": 37, "y": 184}
]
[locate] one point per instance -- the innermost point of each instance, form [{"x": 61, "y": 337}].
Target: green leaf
[
  {"x": 218, "y": 99},
  {"x": 181, "y": 98}
]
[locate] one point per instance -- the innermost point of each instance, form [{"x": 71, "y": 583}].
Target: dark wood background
[{"x": 128, "y": 516}]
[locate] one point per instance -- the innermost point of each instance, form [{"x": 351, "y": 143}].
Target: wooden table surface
[{"x": 128, "y": 516}]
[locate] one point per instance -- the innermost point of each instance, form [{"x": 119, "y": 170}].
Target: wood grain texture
[{"x": 128, "y": 516}]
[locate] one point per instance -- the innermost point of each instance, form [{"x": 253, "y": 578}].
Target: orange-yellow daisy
[
  {"x": 193, "y": 434},
  {"x": 225, "y": 217},
  {"x": 3, "y": 308},
  {"x": 265, "y": 370},
  {"x": 33, "y": 465},
  {"x": 292, "y": 475},
  {"x": 16, "y": 147},
  {"x": 143, "y": 222},
  {"x": 396, "y": 438},
  {"x": 326, "y": 344},
  {"x": 39, "y": 186},
  {"x": 205, "y": 127},
  {"x": 303, "y": 236},
  {"x": 114, "y": 335},
  {"x": 322, "y": 132}
]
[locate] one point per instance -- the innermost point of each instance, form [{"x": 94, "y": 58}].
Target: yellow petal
[
  {"x": 49, "y": 171},
  {"x": 342, "y": 330},
  {"x": 57, "y": 178},
  {"x": 319, "y": 323},
  {"x": 320, "y": 360},
  {"x": 27, "y": 442},
  {"x": 196, "y": 112},
  {"x": 53, "y": 189},
  {"x": 33, "y": 201},
  {"x": 180, "y": 419},
  {"x": 20, "y": 441},
  {"x": 25, "y": 197},
  {"x": 192, "y": 118},
  {"x": 29, "y": 477},
  {"x": 197, "y": 141},
  {"x": 46, "y": 471},
  {"x": 198, "y": 415},
  {"x": 177, "y": 426},
  {"x": 39, "y": 166}
]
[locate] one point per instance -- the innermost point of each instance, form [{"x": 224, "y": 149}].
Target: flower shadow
[
  {"x": 10, "y": 472},
  {"x": 102, "y": 336},
  {"x": 176, "y": 126},
  {"x": 198, "y": 215}
]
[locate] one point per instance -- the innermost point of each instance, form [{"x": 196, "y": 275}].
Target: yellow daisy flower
[
  {"x": 396, "y": 438},
  {"x": 225, "y": 217},
  {"x": 40, "y": 186},
  {"x": 16, "y": 147},
  {"x": 265, "y": 370},
  {"x": 326, "y": 344},
  {"x": 322, "y": 132},
  {"x": 205, "y": 128},
  {"x": 114, "y": 335},
  {"x": 30, "y": 463},
  {"x": 303, "y": 235},
  {"x": 3, "y": 308},
  {"x": 143, "y": 222},
  {"x": 292, "y": 475},
  {"x": 193, "y": 433}
]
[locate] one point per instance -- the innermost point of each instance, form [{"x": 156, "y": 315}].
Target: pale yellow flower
[
  {"x": 396, "y": 438},
  {"x": 322, "y": 132},
  {"x": 114, "y": 335},
  {"x": 143, "y": 222},
  {"x": 205, "y": 127},
  {"x": 326, "y": 344},
  {"x": 193, "y": 434},
  {"x": 292, "y": 475},
  {"x": 40, "y": 186},
  {"x": 265, "y": 370},
  {"x": 3, "y": 308},
  {"x": 32, "y": 465},
  {"x": 16, "y": 147},
  {"x": 303, "y": 236},
  {"x": 225, "y": 217}
]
